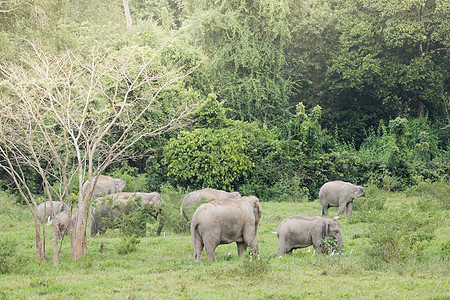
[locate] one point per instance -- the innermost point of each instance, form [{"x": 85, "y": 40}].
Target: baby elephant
[
  {"x": 302, "y": 231},
  {"x": 62, "y": 223},
  {"x": 339, "y": 193},
  {"x": 223, "y": 222}
]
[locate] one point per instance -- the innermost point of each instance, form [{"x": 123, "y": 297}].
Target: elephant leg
[
  {"x": 250, "y": 238},
  {"x": 349, "y": 208},
  {"x": 324, "y": 210},
  {"x": 282, "y": 248},
  {"x": 211, "y": 251},
  {"x": 341, "y": 209},
  {"x": 198, "y": 248},
  {"x": 240, "y": 248}
]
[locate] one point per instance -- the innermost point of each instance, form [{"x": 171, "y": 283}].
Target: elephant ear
[
  {"x": 327, "y": 227},
  {"x": 256, "y": 208}
]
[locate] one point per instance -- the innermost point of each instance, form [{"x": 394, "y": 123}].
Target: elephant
[
  {"x": 108, "y": 208},
  {"x": 223, "y": 222},
  {"x": 49, "y": 209},
  {"x": 105, "y": 185},
  {"x": 339, "y": 193},
  {"x": 62, "y": 223},
  {"x": 191, "y": 200},
  {"x": 302, "y": 231}
]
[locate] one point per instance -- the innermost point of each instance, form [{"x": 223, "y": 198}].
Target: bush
[
  {"x": 400, "y": 235},
  {"x": 208, "y": 158},
  {"x": 128, "y": 245},
  {"x": 170, "y": 215},
  {"x": 438, "y": 192}
]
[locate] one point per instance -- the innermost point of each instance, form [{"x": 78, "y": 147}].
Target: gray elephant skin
[
  {"x": 223, "y": 222},
  {"x": 50, "y": 209},
  {"x": 302, "y": 231},
  {"x": 108, "y": 208},
  {"x": 61, "y": 223},
  {"x": 195, "y": 198},
  {"x": 340, "y": 194},
  {"x": 105, "y": 185}
]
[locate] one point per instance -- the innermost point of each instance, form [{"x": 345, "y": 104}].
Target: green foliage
[
  {"x": 211, "y": 114},
  {"x": 170, "y": 209},
  {"x": 253, "y": 266},
  {"x": 402, "y": 234},
  {"x": 246, "y": 42},
  {"x": 136, "y": 182},
  {"x": 438, "y": 192},
  {"x": 330, "y": 245},
  {"x": 128, "y": 245},
  {"x": 208, "y": 158},
  {"x": 306, "y": 129}
]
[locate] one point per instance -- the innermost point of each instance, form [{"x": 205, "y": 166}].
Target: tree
[
  {"x": 245, "y": 41},
  {"x": 69, "y": 116},
  {"x": 392, "y": 55}
]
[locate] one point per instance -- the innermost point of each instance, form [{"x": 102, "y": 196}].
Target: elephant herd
[{"x": 216, "y": 217}]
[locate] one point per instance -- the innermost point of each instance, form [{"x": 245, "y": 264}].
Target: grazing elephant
[
  {"x": 223, "y": 222},
  {"x": 191, "y": 200},
  {"x": 108, "y": 208},
  {"x": 339, "y": 193},
  {"x": 49, "y": 209},
  {"x": 303, "y": 231},
  {"x": 105, "y": 185}
]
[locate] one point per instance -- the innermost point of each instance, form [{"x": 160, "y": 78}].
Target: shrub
[
  {"x": 400, "y": 235},
  {"x": 438, "y": 192},
  {"x": 208, "y": 158},
  {"x": 170, "y": 215},
  {"x": 128, "y": 245}
]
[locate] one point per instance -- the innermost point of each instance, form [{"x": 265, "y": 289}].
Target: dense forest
[{"x": 271, "y": 98}]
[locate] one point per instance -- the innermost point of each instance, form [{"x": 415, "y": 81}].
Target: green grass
[{"x": 164, "y": 267}]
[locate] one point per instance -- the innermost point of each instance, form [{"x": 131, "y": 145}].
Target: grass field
[{"x": 164, "y": 267}]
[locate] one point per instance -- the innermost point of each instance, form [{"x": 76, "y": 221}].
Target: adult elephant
[
  {"x": 193, "y": 199},
  {"x": 112, "y": 207},
  {"x": 341, "y": 194},
  {"x": 50, "y": 209},
  {"x": 223, "y": 222},
  {"x": 105, "y": 185},
  {"x": 302, "y": 231}
]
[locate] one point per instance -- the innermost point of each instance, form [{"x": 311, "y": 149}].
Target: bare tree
[{"x": 70, "y": 116}]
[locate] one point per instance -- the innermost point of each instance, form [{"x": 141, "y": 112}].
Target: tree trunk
[
  {"x": 421, "y": 109},
  {"x": 79, "y": 231},
  {"x": 56, "y": 234},
  {"x": 126, "y": 7},
  {"x": 38, "y": 239}
]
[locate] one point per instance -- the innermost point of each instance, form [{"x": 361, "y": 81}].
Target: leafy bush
[
  {"x": 136, "y": 182},
  {"x": 208, "y": 158},
  {"x": 170, "y": 215},
  {"x": 400, "y": 235},
  {"x": 128, "y": 245}
]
